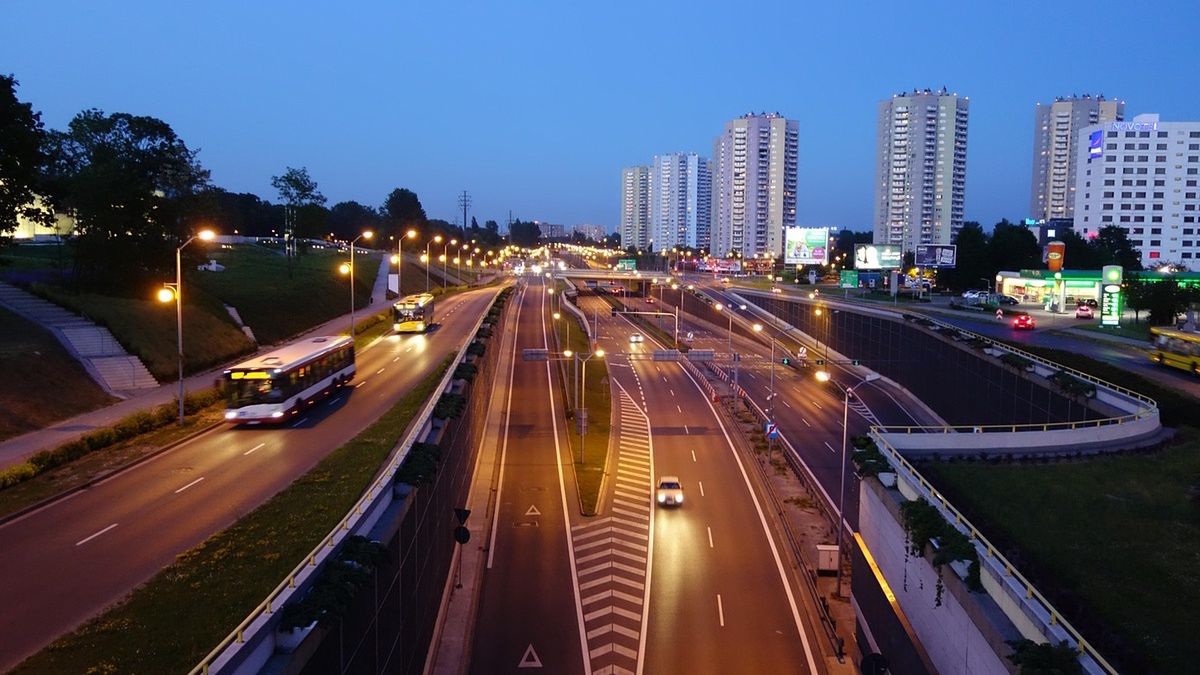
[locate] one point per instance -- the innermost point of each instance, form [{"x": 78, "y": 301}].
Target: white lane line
[
  {"x": 829, "y": 446},
  {"x": 300, "y": 421},
  {"x": 818, "y": 405},
  {"x": 337, "y": 400},
  {"x": 679, "y": 409},
  {"x": 408, "y": 350},
  {"x": 672, "y": 391},
  {"x": 395, "y": 359},
  {"x": 693, "y": 455},
  {"x": 251, "y": 450},
  {"x": 710, "y": 544},
  {"x": 720, "y": 611},
  {"x": 787, "y": 404},
  {"x": 701, "y": 487},
  {"x": 805, "y": 422},
  {"x": 381, "y": 370},
  {"x": 360, "y": 384},
  {"x": 686, "y": 430},
  {"x": 189, "y": 485},
  {"x": 91, "y": 537}
]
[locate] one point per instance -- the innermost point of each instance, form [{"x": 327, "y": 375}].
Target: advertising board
[
  {"x": 877, "y": 256},
  {"x": 935, "y": 255},
  {"x": 806, "y": 246}
]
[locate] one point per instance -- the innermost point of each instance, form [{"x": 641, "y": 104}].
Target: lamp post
[
  {"x": 599, "y": 353},
  {"x": 445, "y": 256},
  {"x": 349, "y": 271},
  {"x": 175, "y": 291},
  {"x": 427, "y": 260},
  {"x": 411, "y": 234}
]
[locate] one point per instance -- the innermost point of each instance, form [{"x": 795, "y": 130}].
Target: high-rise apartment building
[
  {"x": 680, "y": 201},
  {"x": 1143, "y": 176},
  {"x": 635, "y": 207},
  {"x": 1055, "y": 128},
  {"x": 921, "y": 170},
  {"x": 754, "y": 184}
]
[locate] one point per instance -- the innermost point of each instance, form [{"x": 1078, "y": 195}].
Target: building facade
[
  {"x": 635, "y": 207},
  {"x": 594, "y": 232},
  {"x": 680, "y": 191},
  {"x": 1143, "y": 176},
  {"x": 754, "y": 185},
  {"x": 921, "y": 168},
  {"x": 1055, "y": 129}
]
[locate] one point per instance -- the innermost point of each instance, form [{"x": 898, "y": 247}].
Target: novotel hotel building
[{"x": 1144, "y": 176}]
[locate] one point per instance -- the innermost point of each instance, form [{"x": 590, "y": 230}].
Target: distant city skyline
[{"x": 536, "y": 109}]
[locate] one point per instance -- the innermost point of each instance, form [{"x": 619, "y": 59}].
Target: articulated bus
[
  {"x": 413, "y": 314},
  {"x": 1176, "y": 348},
  {"x": 275, "y": 386}
]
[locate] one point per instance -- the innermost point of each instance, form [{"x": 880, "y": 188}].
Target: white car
[
  {"x": 635, "y": 339},
  {"x": 669, "y": 491}
]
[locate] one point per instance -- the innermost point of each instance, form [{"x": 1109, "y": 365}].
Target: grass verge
[
  {"x": 598, "y": 401},
  {"x": 42, "y": 383},
  {"x": 1117, "y": 557},
  {"x": 170, "y": 623}
]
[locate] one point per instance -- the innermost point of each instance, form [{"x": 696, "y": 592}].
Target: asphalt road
[
  {"x": 64, "y": 563},
  {"x": 528, "y": 612},
  {"x": 722, "y": 596}
]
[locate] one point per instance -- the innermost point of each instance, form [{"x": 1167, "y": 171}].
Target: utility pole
[{"x": 464, "y": 202}]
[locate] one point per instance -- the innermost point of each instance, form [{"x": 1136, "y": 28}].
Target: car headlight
[
  {"x": 662, "y": 498},
  {"x": 277, "y": 413},
  {"x": 230, "y": 414},
  {"x": 679, "y": 499}
]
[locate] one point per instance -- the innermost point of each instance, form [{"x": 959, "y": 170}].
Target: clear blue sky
[{"x": 536, "y": 106}]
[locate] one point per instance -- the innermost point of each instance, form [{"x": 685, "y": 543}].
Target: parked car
[
  {"x": 1090, "y": 302},
  {"x": 669, "y": 491},
  {"x": 975, "y": 297},
  {"x": 1024, "y": 322},
  {"x": 1084, "y": 311},
  {"x": 1009, "y": 300}
]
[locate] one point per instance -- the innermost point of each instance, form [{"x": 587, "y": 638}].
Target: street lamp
[
  {"x": 175, "y": 291},
  {"x": 349, "y": 271},
  {"x": 437, "y": 239},
  {"x": 599, "y": 353},
  {"x": 411, "y": 234},
  {"x": 445, "y": 256}
]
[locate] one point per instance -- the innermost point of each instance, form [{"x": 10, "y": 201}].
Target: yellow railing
[{"x": 961, "y": 522}]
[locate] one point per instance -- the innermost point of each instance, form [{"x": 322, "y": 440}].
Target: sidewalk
[{"x": 16, "y": 450}]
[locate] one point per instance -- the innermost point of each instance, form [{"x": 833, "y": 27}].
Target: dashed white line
[
  {"x": 385, "y": 368},
  {"x": 787, "y": 404},
  {"x": 710, "y": 544},
  {"x": 701, "y": 487},
  {"x": 686, "y": 430},
  {"x": 300, "y": 421},
  {"x": 189, "y": 485},
  {"x": 693, "y": 455},
  {"x": 251, "y": 450},
  {"x": 720, "y": 611},
  {"x": 360, "y": 384},
  {"x": 829, "y": 446},
  {"x": 818, "y": 405},
  {"x": 805, "y": 422},
  {"x": 395, "y": 359},
  {"x": 679, "y": 409},
  {"x": 337, "y": 400},
  {"x": 672, "y": 391},
  {"x": 93, "y": 536}
]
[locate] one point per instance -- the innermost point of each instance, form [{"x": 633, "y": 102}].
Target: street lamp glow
[
  {"x": 411, "y": 234},
  {"x": 368, "y": 234},
  {"x": 205, "y": 235},
  {"x": 166, "y": 295},
  {"x": 568, "y": 353},
  {"x": 758, "y": 328},
  {"x": 718, "y": 307},
  {"x": 395, "y": 259},
  {"x": 557, "y": 316},
  {"x": 344, "y": 268},
  {"x": 822, "y": 376},
  {"x": 600, "y": 353}
]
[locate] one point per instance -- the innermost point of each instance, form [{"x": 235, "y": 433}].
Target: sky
[{"x": 534, "y": 107}]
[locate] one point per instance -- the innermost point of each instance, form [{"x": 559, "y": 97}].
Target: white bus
[
  {"x": 413, "y": 314},
  {"x": 275, "y": 386}
]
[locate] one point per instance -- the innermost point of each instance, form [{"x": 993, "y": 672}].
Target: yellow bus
[
  {"x": 413, "y": 314},
  {"x": 1176, "y": 348}
]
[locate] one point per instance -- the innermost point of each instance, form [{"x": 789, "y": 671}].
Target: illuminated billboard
[
  {"x": 806, "y": 246},
  {"x": 1095, "y": 143},
  {"x": 935, "y": 255},
  {"x": 877, "y": 257}
]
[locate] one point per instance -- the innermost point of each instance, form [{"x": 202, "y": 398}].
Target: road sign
[
  {"x": 666, "y": 355},
  {"x": 772, "y": 430},
  {"x": 700, "y": 355},
  {"x": 691, "y": 335},
  {"x": 462, "y": 535},
  {"x": 786, "y": 361},
  {"x": 462, "y": 515},
  {"x": 535, "y": 354},
  {"x": 999, "y": 315},
  {"x": 820, "y": 362},
  {"x": 627, "y": 265}
]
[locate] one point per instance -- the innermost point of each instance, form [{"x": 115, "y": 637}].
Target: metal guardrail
[
  {"x": 281, "y": 593},
  {"x": 986, "y": 548}
]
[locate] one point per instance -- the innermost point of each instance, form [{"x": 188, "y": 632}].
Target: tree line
[{"x": 135, "y": 190}]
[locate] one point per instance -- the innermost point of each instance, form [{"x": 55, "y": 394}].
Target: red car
[{"x": 1024, "y": 322}]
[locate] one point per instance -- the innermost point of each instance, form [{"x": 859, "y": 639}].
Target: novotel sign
[{"x": 1133, "y": 126}]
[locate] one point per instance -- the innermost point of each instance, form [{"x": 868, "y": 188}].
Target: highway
[
  {"x": 66, "y": 562},
  {"x": 528, "y": 614},
  {"x": 722, "y": 596}
]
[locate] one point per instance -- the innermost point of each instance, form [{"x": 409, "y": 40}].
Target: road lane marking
[
  {"x": 381, "y": 370},
  {"x": 251, "y": 450},
  {"x": 786, "y": 403},
  {"x": 360, "y": 384},
  {"x": 693, "y": 455},
  {"x": 395, "y": 359},
  {"x": 701, "y": 487},
  {"x": 829, "y": 446},
  {"x": 189, "y": 485},
  {"x": 300, "y": 421},
  {"x": 679, "y": 409},
  {"x": 710, "y": 544},
  {"x": 686, "y": 430},
  {"x": 672, "y": 391},
  {"x": 720, "y": 611},
  {"x": 805, "y": 422},
  {"x": 91, "y": 537},
  {"x": 818, "y": 405},
  {"x": 337, "y": 400}
]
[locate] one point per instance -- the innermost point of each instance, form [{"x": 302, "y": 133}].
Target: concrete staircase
[{"x": 94, "y": 346}]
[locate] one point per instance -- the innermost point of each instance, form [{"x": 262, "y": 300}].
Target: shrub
[
  {"x": 17, "y": 473},
  {"x": 476, "y": 348},
  {"x": 419, "y": 465},
  {"x": 450, "y": 406},
  {"x": 466, "y": 371},
  {"x": 1032, "y": 658},
  {"x": 924, "y": 523},
  {"x": 870, "y": 461}
]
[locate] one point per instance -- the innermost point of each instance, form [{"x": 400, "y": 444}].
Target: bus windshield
[{"x": 244, "y": 392}]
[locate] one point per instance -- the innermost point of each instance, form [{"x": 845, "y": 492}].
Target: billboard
[
  {"x": 1095, "y": 143},
  {"x": 627, "y": 265},
  {"x": 935, "y": 255},
  {"x": 806, "y": 246},
  {"x": 877, "y": 256},
  {"x": 1054, "y": 255}
]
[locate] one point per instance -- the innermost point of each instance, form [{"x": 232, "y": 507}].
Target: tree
[
  {"x": 525, "y": 233},
  {"x": 129, "y": 180},
  {"x": 972, "y": 266},
  {"x": 493, "y": 227},
  {"x": 1079, "y": 253},
  {"x": 296, "y": 189},
  {"x": 613, "y": 240},
  {"x": 843, "y": 249},
  {"x": 402, "y": 210},
  {"x": 348, "y": 219},
  {"x": 244, "y": 213},
  {"x": 22, "y": 158},
  {"x": 1113, "y": 247},
  {"x": 1013, "y": 247}
]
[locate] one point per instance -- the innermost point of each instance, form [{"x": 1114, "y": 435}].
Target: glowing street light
[{"x": 175, "y": 292}]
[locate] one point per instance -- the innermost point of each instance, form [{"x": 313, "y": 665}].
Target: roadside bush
[
  {"x": 466, "y": 371},
  {"x": 450, "y": 406},
  {"x": 17, "y": 473},
  {"x": 420, "y": 465}
]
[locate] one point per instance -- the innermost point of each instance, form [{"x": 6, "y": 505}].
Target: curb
[{"x": 24, "y": 511}]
